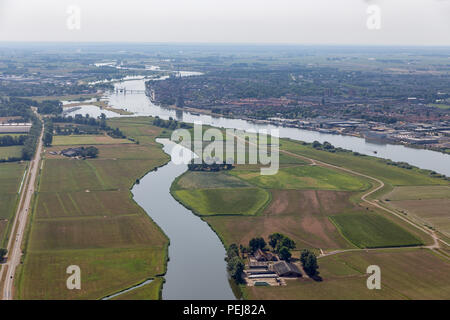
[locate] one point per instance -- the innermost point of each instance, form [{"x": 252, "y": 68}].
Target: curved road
[{"x": 20, "y": 222}]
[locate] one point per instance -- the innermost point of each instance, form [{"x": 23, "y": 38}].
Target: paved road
[{"x": 20, "y": 222}]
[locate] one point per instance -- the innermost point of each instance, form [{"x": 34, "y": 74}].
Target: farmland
[
  {"x": 319, "y": 207},
  {"x": 406, "y": 274},
  {"x": 86, "y": 139},
  {"x": 246, "y": 201},
  {"x": 84, "y": 215},
  {"x": 373, "y": 231},
  {"x": 429, "y": 205},
  {"x": 11, "y": 152},
  {"x": 11, "y": 175}
]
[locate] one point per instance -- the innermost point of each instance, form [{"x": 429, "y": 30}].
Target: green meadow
[{"x": 371, "y": 230}]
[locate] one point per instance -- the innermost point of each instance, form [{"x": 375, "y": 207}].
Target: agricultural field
[
  {"x": 304, "y": 177},
  {"x": 370, "y": 230},
  {"x": 320, "y": 208},
  {"x": 243, "y": 201},
  {"x": 406, "y": 274},
  {"x": 86, "y": 139},
  {"x": 11, "y": 152},
  {"x": 84, "y": 215},
  {"x": 429, "y": 205},
  {"x": 11, "y": 175}
]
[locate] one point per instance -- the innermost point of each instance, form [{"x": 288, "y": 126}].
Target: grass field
[
  {"x": 86, "y": 139},
  {"x": 149, "y": 291},
  {"x": 92, "y": 175},
  {"x": 430, "y": 205},
  {"x": 103, "y": 271},
  {"x": 84, "y": 215},
  {"x": 364, "y": 164},
  {"x": 11, "y": 152},
  {"x": 11, "y": 175},
  {"x": 369, "y": 230},
  {"x": 245, "y": 201},
  {"x": 304, "y": 177},
  {"x": 405, "y": 274},
  {"x": 204, "y": 180}
]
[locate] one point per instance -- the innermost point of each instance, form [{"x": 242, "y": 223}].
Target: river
[
  {"x": 140, "y": 105},
  {"x": 196, "y": 269}
]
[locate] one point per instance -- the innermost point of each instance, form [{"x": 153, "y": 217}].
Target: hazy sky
[{"x": 403, "y": 22}]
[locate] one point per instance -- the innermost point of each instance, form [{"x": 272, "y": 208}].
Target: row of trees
[
  {"x": 32, "y": 139},
  {"x": 235, "y": 265},
  {"x": 6, "y": 141},
  {"x": 48, "y": 132}
]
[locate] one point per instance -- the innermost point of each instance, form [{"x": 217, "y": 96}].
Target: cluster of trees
[
  {"x": 49, "y": 107},
  {"x": 309, "y": 263},
  {"x": 235, "y": 265},
  {"x": 282, "y": 245},
  {"x": 6, "y": 141},
  {"x": 209, "y": 167},
  {"x": 170, "y": 124},
  {"x": 16, "y": 107},
  {"x": 89, "y": 121},
  {"x": 89, "y": 152}
]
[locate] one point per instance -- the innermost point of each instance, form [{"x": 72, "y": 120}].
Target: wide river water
[{"x": 197, "y": 269}]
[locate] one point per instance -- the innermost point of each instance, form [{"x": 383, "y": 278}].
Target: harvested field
[{"x": 301, "y": 215}]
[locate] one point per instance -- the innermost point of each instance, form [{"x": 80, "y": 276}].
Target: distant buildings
[{"x": 15, "y": 127}]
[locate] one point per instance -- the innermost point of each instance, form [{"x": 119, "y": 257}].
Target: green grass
[
  {"x": 304, "y": 177},
  {"x": 103, "y": 271},
  {"x": 86, "y": 139},
  {"x": 11, "y": 175},
  {"x": 11, "y": 152},
  {"x": 419, "y": 192},
  {"x": 81, "y": 175},
  {"x": 150, "y": 291},
  {"x": 370, "y": 230},
  {"x": 242, "y": 201},
  {"x": 206, "y": 180},
  {"x": 367, "y": 165}
]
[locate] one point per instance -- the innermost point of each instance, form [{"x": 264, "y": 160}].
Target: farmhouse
[
  {"x": 286, "y": 269},
  {"x": 71, "y": 152},
  {"x": 264, "y": 256}
]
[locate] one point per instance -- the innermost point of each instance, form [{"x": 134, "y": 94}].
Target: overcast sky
[{"x": 402, "y": 22}]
